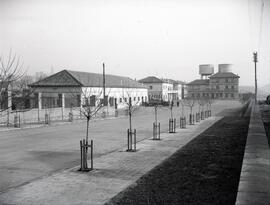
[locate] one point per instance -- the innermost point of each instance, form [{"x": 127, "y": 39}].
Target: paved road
[{"x": 28, "y": 154}]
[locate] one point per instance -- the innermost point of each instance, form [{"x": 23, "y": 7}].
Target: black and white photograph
[{"x": 134, "y": 102}]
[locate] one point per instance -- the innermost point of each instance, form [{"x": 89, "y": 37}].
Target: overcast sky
[{"x": 137, "y": 38}]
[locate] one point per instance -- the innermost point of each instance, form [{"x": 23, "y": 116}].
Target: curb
[{"x": 254, "y": 183}]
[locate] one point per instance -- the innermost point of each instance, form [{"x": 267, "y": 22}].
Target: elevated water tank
[
  {"x": 224, "y": 68},
  {"x": 206, "y": 69}
]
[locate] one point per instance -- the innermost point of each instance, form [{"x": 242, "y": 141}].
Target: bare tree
[
  {"x": 209, "y": 102},
  {"x": 190, "y": 102},
  {"x": 11, "y": 70},
  {"x": 90, "y": 106},
  {"x": 201, "y": 102},
  {"x": 131, "y": 107},
  {"x": 183, "y": 103}
]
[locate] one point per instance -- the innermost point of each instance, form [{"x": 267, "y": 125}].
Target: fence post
[
  {"x": 70, "y": 117},
  {"x": 154, "y": 134},
  {"x": 128, "y": 140},
  {"x": 174, "y": 125},
  {"x": 135, "y": 140},
  {"x": 81, "y": 155},
  {"x": 159, "y": 130},
  {"x": 92, "y": 167}
]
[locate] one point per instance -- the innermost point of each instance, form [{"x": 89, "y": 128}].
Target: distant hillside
[
  {"x": 265, "y": 90},
  {"x": 246, "y": 89}
]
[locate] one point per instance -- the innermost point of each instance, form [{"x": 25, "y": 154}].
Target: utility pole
[
  {"x": 104, "y": 84},
  {"x": 255, "y": 59}
]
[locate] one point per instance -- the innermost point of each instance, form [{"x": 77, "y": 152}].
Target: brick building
[{"x": 222, "y": 85}]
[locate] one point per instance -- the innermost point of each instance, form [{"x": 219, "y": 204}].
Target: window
[
  {"x": 120, "y": 100},
  {"x": 125, "y": 99},
  {"x": 226, "y": 80},
  {"x": 150, "y": 87},
  {"x": 134, "y": 99},
  {"x": 232, "y": 95},
  {"x": 226, "y": 87},
  {"x": 232, "y": 87},
  {"x": 217, "y": 87},
  {"x": 226, "y": 95}
]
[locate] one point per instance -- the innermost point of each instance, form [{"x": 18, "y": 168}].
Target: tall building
[{"x": 221, "y": 85}]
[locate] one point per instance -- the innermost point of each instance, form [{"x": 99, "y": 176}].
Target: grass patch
[{"x": 205, "y": 171}]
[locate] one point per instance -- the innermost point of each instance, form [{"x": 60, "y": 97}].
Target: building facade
[
  {"x": 221, "y": 85},
  {"x": 75, "y": 89},
  {"x": 163, "y": 89}
]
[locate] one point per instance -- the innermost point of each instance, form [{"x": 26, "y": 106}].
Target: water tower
[
  {"x": 224, "y": 68},
  {"x": 205, "y": 70}
]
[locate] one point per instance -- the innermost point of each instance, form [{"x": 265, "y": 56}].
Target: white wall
[{"x": 118, "y": 93}]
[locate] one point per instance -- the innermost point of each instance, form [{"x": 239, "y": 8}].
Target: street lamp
[{"x": 255, "y": 59}]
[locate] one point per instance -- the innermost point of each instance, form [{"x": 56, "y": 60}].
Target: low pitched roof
[
  {"x": 224, "y": 75},
  {"x": 150, "y": 79},
  {"x": 68, "y": 78},
  {"x": 199, "y": 82}
]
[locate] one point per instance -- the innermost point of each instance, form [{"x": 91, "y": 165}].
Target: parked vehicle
[
  {"x": 157, "y": 102},
  {"x": 268, "y": 100}
]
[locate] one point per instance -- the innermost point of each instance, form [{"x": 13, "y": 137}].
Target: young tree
[
  {"x": 131, "y": 107},
  {"x": 183, "y": 103},
  {"x": 92, "y": 103},
  {"x": 190, "y": 102},
  {"x": 209, "y": 102},
  {"x": 201, "y": 102}
]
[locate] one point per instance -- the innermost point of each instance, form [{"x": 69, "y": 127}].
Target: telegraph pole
[
  {"x": 255, "y": 60},
  {"x": 104, "y": 84}
]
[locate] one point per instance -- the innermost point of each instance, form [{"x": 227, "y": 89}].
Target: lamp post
[{"x": 255, "y": 59}]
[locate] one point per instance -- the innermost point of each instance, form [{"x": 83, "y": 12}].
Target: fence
[
  {"x": 172, "y": 125},
  {"x": 84, "y": 146},
  {"x": 156, "y": 131},
  {"x": 131, "y": 140},
  {"x": 17, "y": 118},
  {"x": 191, "y": 119},
  {"x": 183, "y": 123}
]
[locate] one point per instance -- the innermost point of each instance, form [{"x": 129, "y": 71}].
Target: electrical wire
[
  {"x": 256, "y": 40},
  {"x": 261, "y": 25}
]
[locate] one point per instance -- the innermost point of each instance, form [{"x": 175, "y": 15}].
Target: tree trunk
[
  {"x": 156, "y": 115},
  {"x": 87, "y": 129},
  {"x": 130, "y": 125}
]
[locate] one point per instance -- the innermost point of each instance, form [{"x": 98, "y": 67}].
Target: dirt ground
[
  {"x": 265, "y": 110},
  {"x": 205, "y": 171}
]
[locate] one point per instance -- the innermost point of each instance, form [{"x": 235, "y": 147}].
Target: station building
[
  {"x": 221, "y": 85},
  {"x": 163, "y": 89},
  {"x": 75, "y": 89}
]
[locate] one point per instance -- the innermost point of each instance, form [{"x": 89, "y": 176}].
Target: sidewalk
[
  {"x": 254, "y": 185},
  {"x": 112, "y": 173}
]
